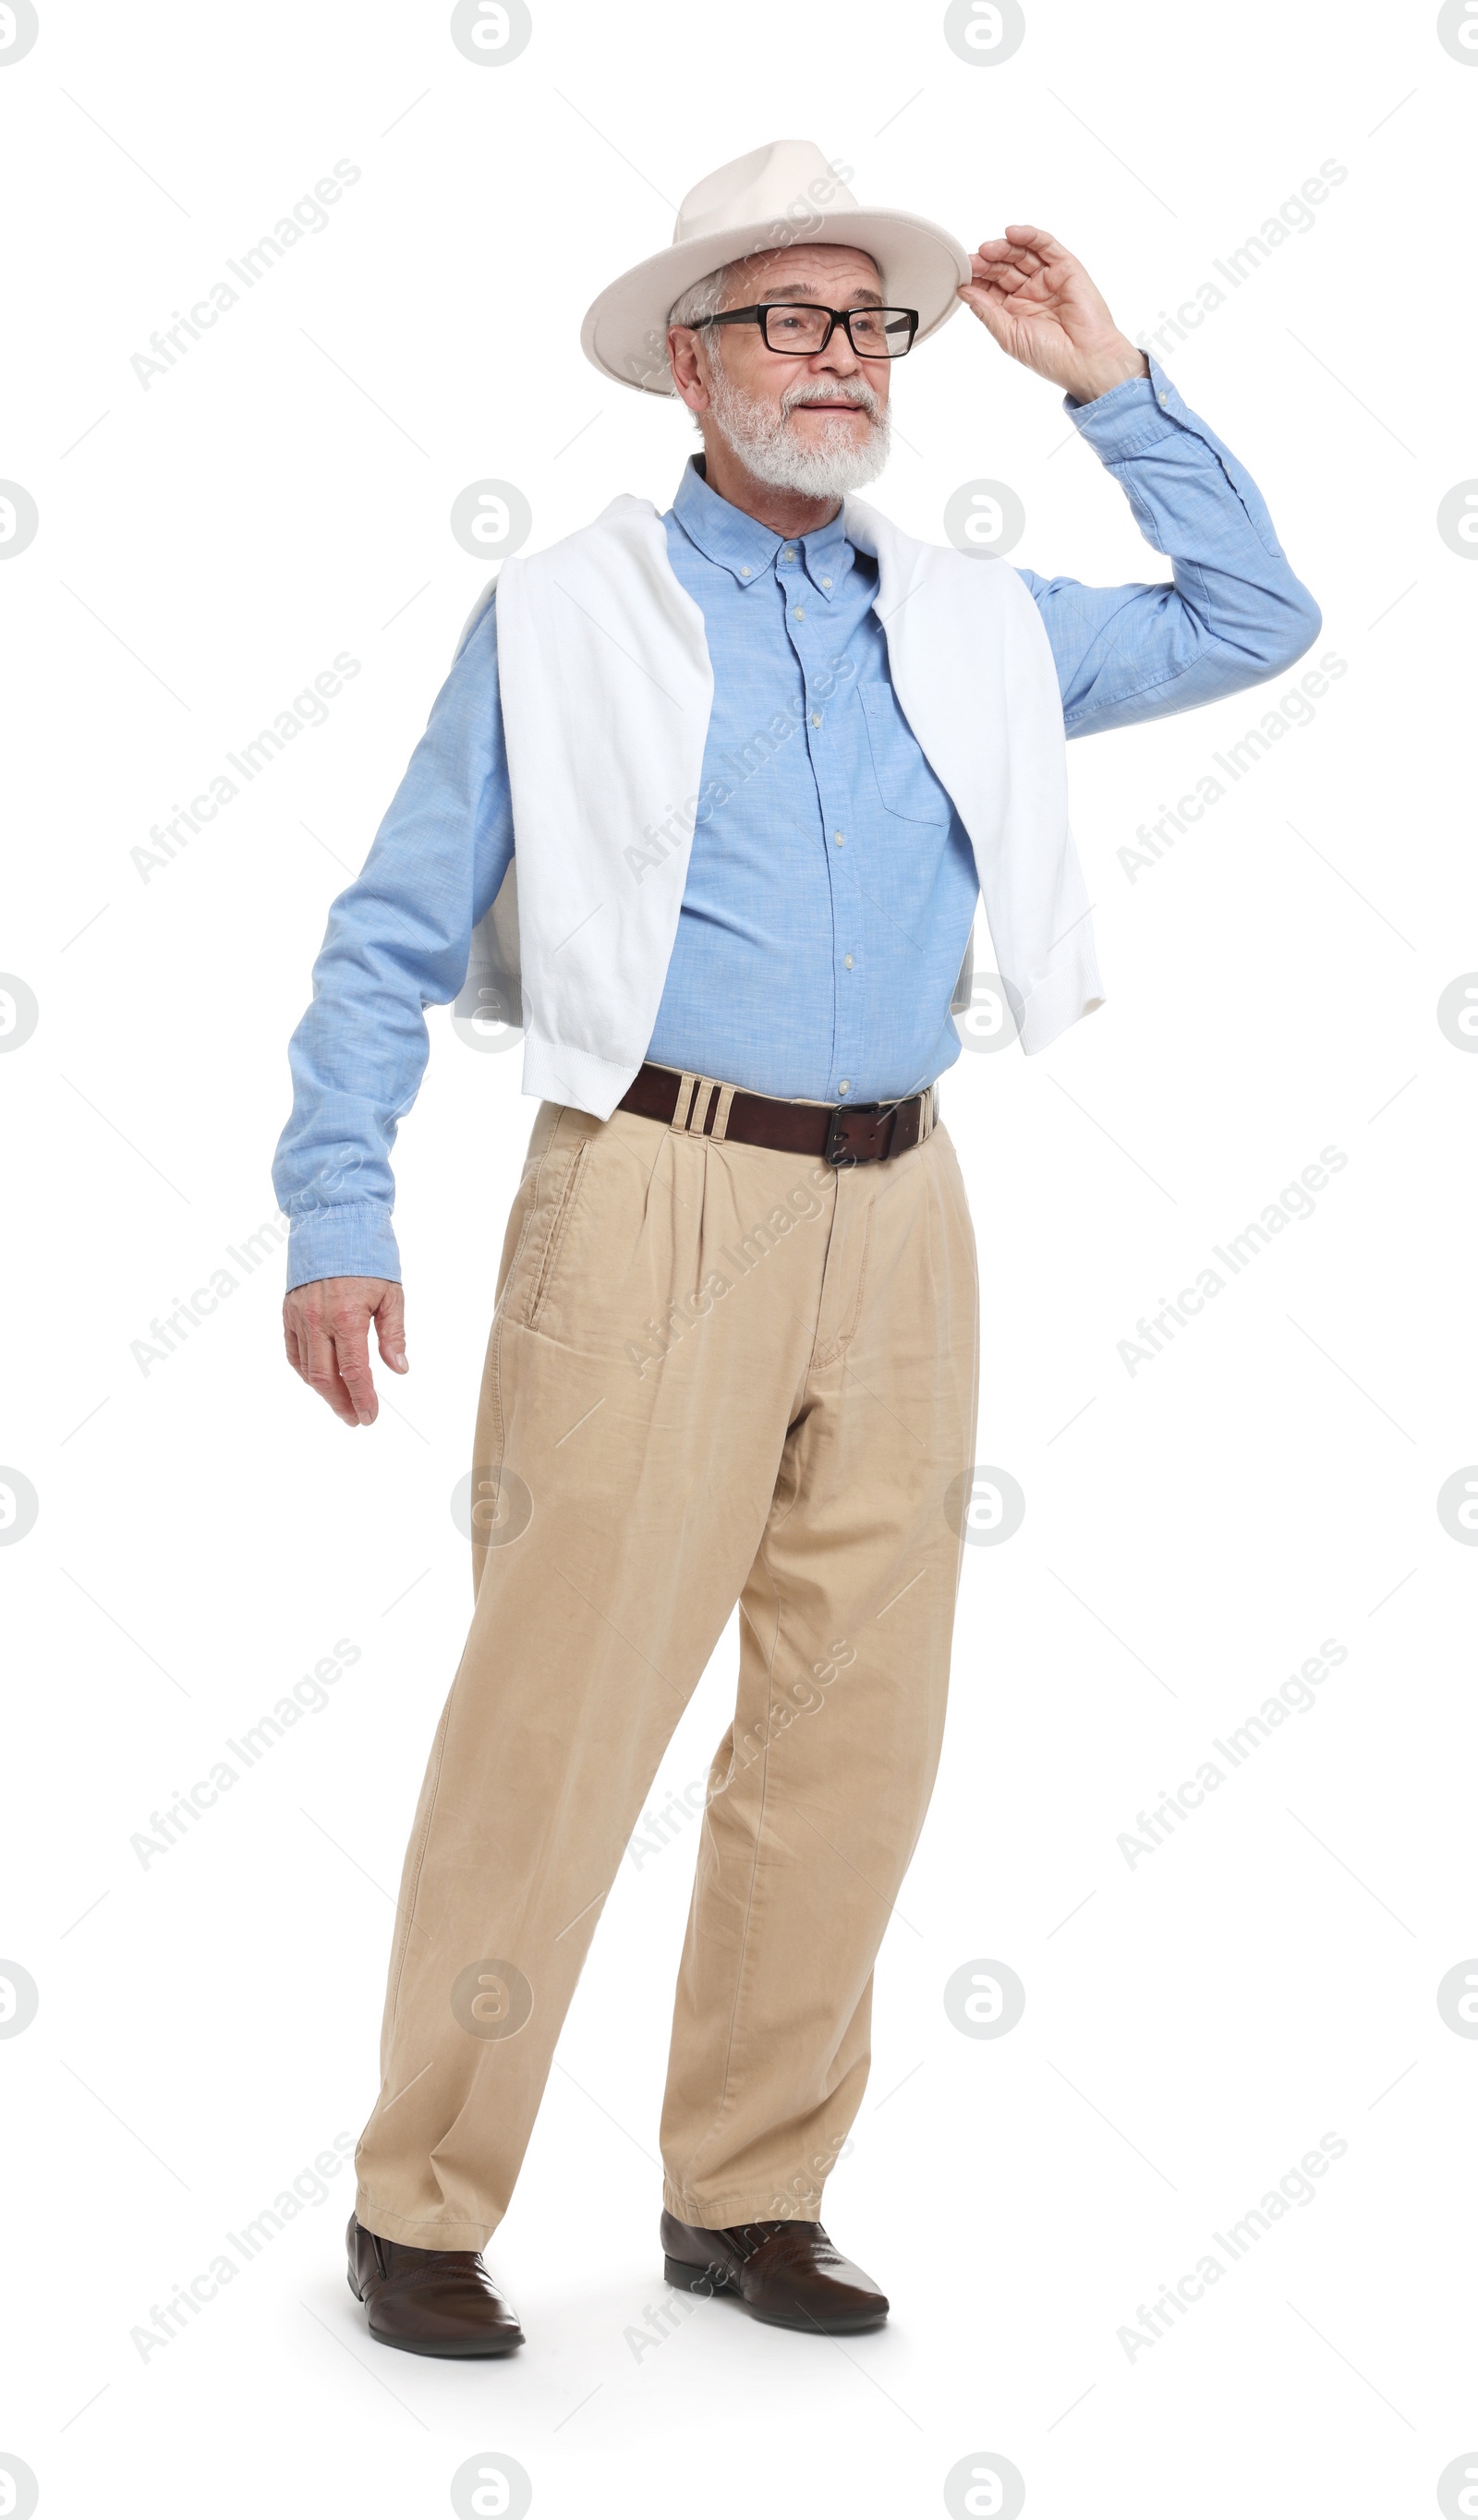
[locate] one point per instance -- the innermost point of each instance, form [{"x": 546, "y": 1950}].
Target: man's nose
[{"x": 839, "y": 357}]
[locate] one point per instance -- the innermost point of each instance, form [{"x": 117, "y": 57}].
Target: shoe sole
[
  {"x": 472, "y": 2352},
  {"x": 690, "y": 2278}
]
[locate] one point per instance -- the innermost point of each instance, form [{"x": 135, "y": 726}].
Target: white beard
[{"x": 762, "y": 438}]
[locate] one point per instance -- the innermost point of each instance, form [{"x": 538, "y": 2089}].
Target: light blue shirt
[{"x": 829, "y": 894}]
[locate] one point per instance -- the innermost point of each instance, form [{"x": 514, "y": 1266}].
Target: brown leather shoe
[
  {"x": 428, "y": 2301},
  {"x": 786, "y": 2273}
]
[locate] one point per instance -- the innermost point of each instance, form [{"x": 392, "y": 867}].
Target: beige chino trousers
[{"x": 716, "y": 1374}]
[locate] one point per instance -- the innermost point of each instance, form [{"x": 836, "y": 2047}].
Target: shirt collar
[{"x": 749, "y": 550}]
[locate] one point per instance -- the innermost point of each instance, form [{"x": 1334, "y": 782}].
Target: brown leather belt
[{"x": 857, "y": 1132}]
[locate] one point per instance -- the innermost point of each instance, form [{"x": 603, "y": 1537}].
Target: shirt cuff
[
  {"x": 342, "y": 1243},
  {"x": 1140, "y": 412}
]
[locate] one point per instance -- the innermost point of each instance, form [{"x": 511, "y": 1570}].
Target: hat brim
[{"x": 625, "y": 331}]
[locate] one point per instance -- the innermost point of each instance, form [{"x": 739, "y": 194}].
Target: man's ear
[{"x": 682, "y": 352}]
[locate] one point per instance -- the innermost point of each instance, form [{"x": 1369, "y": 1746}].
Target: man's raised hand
[
  {"x": 325, "y": 1326},
  {"x": 1037, "y": 300}
]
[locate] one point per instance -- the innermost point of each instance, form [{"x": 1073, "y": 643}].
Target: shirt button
[
  {"x": 800, "y": 613},
  {"x": 1164, "y": 402},
  {"x": 840, "y": 837},
  {"x": 827, "y": 585},
  {"x": 789, "y": 551},
  {"x": 815, "y": 720},
  {"x": 745, "y": 572},
  {"x": 846, "y": 1085},
  {"x": 849, "y": 962}
]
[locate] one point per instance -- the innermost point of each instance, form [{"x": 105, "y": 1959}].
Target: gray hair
[
  {"x": 696, "y": 307},
  {"x": 705, "y": 300}
]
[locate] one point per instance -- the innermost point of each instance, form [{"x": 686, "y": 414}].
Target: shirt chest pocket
[{"x": 906, "y": 785}]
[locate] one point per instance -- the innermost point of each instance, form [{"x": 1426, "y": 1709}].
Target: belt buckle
[{"x": 834, "y": 1152}]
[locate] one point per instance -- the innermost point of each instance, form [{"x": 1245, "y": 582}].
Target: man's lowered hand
[{"x": 325, "y": 1326}]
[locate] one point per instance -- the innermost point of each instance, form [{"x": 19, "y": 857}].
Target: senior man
[{"x": 755, "y": 761}]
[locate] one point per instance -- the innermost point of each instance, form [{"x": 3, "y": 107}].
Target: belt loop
[
  {"x": 678, "y": 1118},
  {"x": 706, "y": 1088},
  {"x": 720, "y": 1129},
  {"x": 931, "y": 1112}
]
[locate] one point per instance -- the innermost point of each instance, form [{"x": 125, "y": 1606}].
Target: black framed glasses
[{"x": 801, "y": 329}]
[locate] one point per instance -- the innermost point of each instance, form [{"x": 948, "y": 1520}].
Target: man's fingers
[
  {"x": 1041, "y": 242},
  {"x": 351, "y": 1350},
  {"x": 1033, "y": 241},
  {"x": 389, "y": 1329},
  {"x": 996, "y": 253},
  {"x": 994, "y": 313},
  {"x": 325, "y": 1326},
  {"x": 987, "y": 303},
  {"x": 1031, "y": 250},
  {"x": 1010, "y": 270},
  {"x": 1002, "y": 281},
  {"x": 1005, "y": 318},
  {"x": 319, "y": 1368}
]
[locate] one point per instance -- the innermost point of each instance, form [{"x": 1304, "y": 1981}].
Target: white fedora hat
[{"x": 784, "y": 194}]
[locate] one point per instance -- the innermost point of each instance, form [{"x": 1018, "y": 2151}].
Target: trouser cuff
[
  {"x": 430, "y": 2234},
  {"x": 721, "y": 2212}
]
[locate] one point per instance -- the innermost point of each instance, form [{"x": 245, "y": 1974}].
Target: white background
[{"x": 1193, "y": 1531}]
